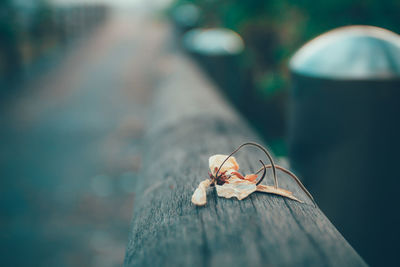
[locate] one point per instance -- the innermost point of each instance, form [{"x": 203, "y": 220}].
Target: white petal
[
  {"x": 199, "y": 197},
  {"x": 216, "y": 161},
  {"x": 236, "y": 188}
]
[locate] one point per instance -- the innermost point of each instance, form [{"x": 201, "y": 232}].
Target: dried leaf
[
  {"x": 276, "y": 191},
  {"x": 199, "y": 197},
  {"x": 236, "y": 187}
]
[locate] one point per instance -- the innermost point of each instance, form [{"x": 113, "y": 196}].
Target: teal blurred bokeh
[{"x": 272, "y": 31}]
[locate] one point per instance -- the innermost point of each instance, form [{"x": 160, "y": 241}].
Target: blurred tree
[
  {"x": 10, "y": 61},
  {"x": 42, "y": 28}
]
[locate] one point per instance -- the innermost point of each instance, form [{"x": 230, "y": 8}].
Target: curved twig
[{"x": 265, "y": 171}]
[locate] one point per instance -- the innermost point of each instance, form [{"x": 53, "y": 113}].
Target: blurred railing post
[
  {"x": 344, "y": 133},
  {"x": 219, "y": 50}
]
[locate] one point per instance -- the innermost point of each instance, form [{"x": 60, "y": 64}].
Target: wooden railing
[{"x": 189, "y": 123}]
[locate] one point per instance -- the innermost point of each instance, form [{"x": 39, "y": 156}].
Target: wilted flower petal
[
  {"x": 216, "y": 161},
  {"x": 199, "y": 197},
  {"x": 251, "y": 177},
  {"x": 236, "y": 187}
]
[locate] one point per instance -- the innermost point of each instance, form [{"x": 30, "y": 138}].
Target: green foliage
[{"x": 270, "y": 83}]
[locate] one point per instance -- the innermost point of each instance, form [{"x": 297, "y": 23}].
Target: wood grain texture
[{"x": 190, "y": 122}]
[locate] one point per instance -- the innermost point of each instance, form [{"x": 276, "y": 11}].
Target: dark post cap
[
  {"x": 213, "y": 41},
  {"x": 352, "y": 52}
]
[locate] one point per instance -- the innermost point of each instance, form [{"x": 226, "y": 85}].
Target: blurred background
[{"x": 76, "y": 79}]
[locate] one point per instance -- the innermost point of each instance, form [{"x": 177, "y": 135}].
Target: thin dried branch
[{"x": 292, "y": 175}]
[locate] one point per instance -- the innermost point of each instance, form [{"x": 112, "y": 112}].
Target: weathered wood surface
[{"x": 190, "y": 122}]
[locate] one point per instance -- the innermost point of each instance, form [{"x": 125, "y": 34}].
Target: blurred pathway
[{"x": 70, "y": 150}]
